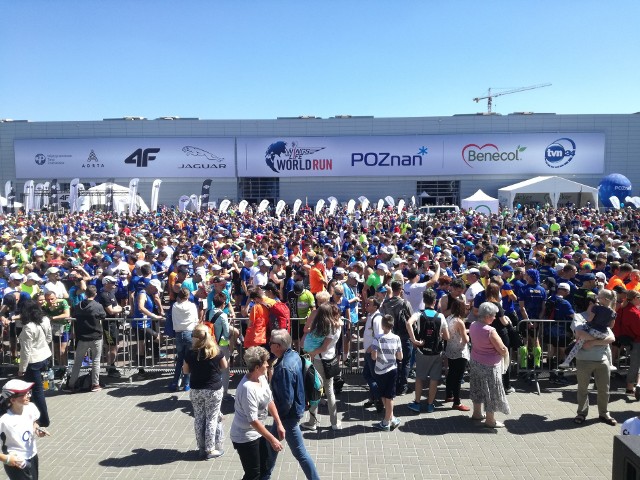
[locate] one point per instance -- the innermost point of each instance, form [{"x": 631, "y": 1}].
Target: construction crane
[{"x": 491, "y": 96}]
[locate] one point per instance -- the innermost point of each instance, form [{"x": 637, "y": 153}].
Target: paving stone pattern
[{"x": 140, "y": 430}]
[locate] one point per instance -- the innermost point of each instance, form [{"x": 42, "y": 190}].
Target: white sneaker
[
  {"x": 613, "y": 368},
  {"x": 564, "y": 366},
  {"x": 311, "y": 427},
  {"x": 337, "y": 426}
]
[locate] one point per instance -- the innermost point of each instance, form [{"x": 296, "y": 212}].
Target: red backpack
[{"x": 279, "y": 317}]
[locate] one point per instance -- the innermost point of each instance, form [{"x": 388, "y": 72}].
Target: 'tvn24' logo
[{"x": 141, "y": 157}]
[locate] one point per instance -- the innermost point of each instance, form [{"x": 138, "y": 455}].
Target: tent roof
[
  {"x": 548, "y": 184},
  {"x": 480, "y": 196}
]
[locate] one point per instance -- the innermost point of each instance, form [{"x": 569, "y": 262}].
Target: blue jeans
[
  {"x": 183, "y": 345},
  {"x": 403, "y": 365},
  {"x": 33, "y": 373},
  {"x": 294, "y": 439},
  {"x": 368, "y": 372}
]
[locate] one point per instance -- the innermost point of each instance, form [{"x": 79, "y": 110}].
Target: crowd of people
[{"x": 420, "y": 297}]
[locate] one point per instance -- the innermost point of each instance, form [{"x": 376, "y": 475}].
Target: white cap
[
  {"x": 356, "y": 276},
  {"x": 34, "y": 276},
  {"x": 16, "y": 276},
  {"x": 383, "y": 267},
  {"x": 564, "y": 286},
  {"x": 156, "y": 283}
]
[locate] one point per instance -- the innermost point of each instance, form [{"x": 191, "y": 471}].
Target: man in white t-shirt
[{"x": 475, "y": 287}]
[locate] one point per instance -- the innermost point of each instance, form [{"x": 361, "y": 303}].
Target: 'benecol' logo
[
  {"x": 474, "y": 153},
  {"x": 560, "y": 152}
]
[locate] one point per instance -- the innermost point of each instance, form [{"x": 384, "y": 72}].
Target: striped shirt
[{"x": 387, "y": 346}]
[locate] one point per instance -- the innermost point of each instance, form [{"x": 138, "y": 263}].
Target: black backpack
[
  {"x": 550, "y": 309},
  {"x": 429, "y": 331}
]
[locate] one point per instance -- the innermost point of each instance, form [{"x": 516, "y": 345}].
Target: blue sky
[{"x": 88, "y": 60}]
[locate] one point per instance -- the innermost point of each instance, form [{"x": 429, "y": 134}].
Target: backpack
[
  {"x": 549, "y": 312},
  {"x": 430, "y": 332},
  {"x": 400, "y": 312},
  {"x": 312, "y": 384},
  {"x": 279, "y": 317}
]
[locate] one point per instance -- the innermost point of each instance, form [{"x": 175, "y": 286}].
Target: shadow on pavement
[{"x": 141, "y": 457}]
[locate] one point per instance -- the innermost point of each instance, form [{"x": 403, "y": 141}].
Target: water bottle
[
  {"x": 50, "y": 378},
  {"x": 45, "y": 381}
]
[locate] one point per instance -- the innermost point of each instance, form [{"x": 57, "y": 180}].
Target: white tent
[
  {"x": 552, "y": 190},
  {"x": 481, "y": 203},
  {"x": 97, "y": 196}
]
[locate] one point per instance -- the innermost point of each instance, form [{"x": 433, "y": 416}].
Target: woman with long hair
[
  {"x": 35, "y": 353},
  {"x": 327, "y": 325},
  {"x": 204, "y": 362},
  {"x": 457, "y": 353}
]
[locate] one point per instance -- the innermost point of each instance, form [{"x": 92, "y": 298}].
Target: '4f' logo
[{"x": 142, "y": 157}]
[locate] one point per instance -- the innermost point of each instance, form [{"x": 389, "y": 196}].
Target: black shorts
[
  {"x": 297, "y": 330},
  {"x": 387, "y": 383},
  {"x": 110, "y": 331}
]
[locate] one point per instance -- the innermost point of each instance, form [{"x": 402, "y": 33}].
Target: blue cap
[
  {"x": 381, "y": 289},
  {"x": 507, "y": 268}
]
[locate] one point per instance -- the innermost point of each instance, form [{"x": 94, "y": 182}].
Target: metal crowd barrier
[
  {"x": 150, "y": 349},
  {"x": 545, "y": 345}
]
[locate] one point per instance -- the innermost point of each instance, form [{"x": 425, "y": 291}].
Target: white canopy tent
[
  {"x": 97, "y": 196},
  {"x": 481, "y": 203},
  {"x": 551, "y": 190}
]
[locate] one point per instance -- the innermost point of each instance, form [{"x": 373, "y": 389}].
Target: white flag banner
[
  {"x": 400, "y": 206},
  {"x": 28, "y": 196},
  {"x": 73, "y": 194},
  {"x": 332, "y": 199},
  {"x": 333, "y": 205},
  {"x": 362, "y": 199},
  {"x": 389, "y": 199},
  {"x": 37, "y": 198},
  {"x": 242, "y": 206},
  {"x": 636, "y": 200},
  {"x": 280, "y": 207},
  {"x": 183, "y": 201},
  {"x": 296, "y": 206},
  {"x": 413, "y": 200},
  {"x": 364, "y": 205},
  {"x": 263, "y": 205},
  {"x": 351, "y": 204},
  {"x": 224, "y": 205},
  {"x": 133, "y": 195},
  {"x": 319, "y": 206},
  {"x": 7, "y": 189},
  {"x": 380, "y": 205},
  {"x": 45, "y": 194},
  {"x": 155, "y": 194},
  {"x": 194, "y": 204},
  {"x": 615, "y": 201}
]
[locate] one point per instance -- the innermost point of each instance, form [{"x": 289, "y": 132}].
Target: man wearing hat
[
  {"x": 301, "y": 303},
  {"x": 54, "y": 284},
  {"x": 374, "y": 280},
  {"x": 107, "y": 299},
  {"x": 141, "y": 326}
]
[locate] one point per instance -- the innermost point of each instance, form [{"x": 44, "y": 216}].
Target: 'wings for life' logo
[
  {"x": 560, "y": 152},
  {"x": 40, "y": 159},
  {"x": 199, "y": 152},
  {"x": 474, "y": 153},
  {"x": 282, "y": 156}
]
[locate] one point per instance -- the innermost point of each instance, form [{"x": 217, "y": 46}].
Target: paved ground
[{"x": 140, "y": 430}]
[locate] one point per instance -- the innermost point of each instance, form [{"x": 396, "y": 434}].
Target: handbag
[
  {"x": 331, "y": 367},
  {"x": 515, "y": 340}
]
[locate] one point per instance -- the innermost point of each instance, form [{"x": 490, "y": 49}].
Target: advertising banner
[
  {"x": 422, "y": 155},
  {"x": 125, "y": 157}
]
